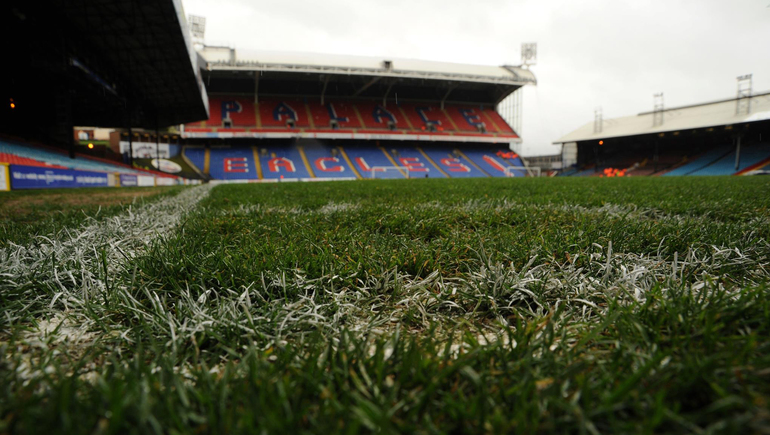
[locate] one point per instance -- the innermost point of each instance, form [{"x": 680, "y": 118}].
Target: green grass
[
  {"x": 414, "y": 306},
  {"x": 27, "y": 214}
]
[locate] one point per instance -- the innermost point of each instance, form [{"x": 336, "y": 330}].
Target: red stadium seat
[
  {"x": 238, "y": 115},
  {"x": 343, "y": 113},
  {"x": 232, "y": 112},
  {"x": 280, "y": 113}
]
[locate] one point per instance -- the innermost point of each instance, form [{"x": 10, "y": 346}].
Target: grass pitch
[{"x": 412, "y": 306}]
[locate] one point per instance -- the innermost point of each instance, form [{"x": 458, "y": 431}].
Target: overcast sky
[{"x": 613, "y": 54}]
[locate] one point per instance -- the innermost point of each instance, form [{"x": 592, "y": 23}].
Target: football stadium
[{"x": 207, "y": 239}]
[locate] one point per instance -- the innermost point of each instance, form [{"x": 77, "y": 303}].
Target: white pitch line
[{"x": 72, "y": 262}]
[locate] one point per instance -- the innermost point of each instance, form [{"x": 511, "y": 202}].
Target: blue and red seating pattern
[
  {"x": 239, "y": 114},
  {"x": 313, "y": 159}
]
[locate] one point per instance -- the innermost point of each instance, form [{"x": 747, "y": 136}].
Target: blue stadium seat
[
  {"x": 326, "y": 161},
  {"x": 726, "y": 165},
  {"x": 196, "y": 156},
  {"x": 366, "y": 157},
  {"x": 277, "y": 161},
  {"x": 412, "y": 158},
  {"x": 232, "y": 163},
  {"x": 701, "y": 162},
  {"x": 492, "y": 164},
  {"x": 55, "y": 158},
  {"x": 453, "y": 164}
]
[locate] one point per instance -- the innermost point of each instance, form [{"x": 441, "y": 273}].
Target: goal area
[
  {"x": 528, "y": 172},
  {"x": 385, "y": 169}
]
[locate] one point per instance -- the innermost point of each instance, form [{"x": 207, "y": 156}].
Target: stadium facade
[
  {"x": 725, "y": 137},
  {"x": 294, "y": 116},
  {"x": 115, "y": 64},
  {"x": 221, "y": 114}
]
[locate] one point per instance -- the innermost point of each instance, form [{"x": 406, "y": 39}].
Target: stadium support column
[
  {"x": 738, "y": 152},
  {"x": 130, "y": 133},
  {"x": 323, "y": 91},
  {"x": 655, "y": 156},
  {"x": 130, "y": 146},
  {"x": 157, "y": 146},
  {"x": 63, "y": 112},
  {"x": 446, "y": 95}
]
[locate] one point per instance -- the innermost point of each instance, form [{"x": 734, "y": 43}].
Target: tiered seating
[
  {"x": 240, "y": 111},
  {"x": 365, "y": 157},
  {"x": 750, "y": 156},
  {"x": 241, "y": 115},
  {"x": 317, "y": 159},
  {"x": 466, "y": 118},
  {"x": 53, "y": 158},
  {"x": 422, "y": 115},
  {"x": 282, "y": 162},
  {"x": 378, "y": 117},
  {"x": 452, "y": 162},
  {"x": 701, "y": 162},
  {"x": 419, "y": 166},
  {"x": 326, "y": 162},
  {"x": 498, "y": 122},
  {"x": 13, "y": 159},
  {"x": 490, "y": 163},
  {"x": 277, "y": 113},
  {"x": 232, "y": 163},
  {"x": 342, "y": 111},
  {"x": 196, "y": 156}
]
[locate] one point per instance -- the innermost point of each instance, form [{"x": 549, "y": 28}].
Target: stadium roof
[
  {"x": 111, "y": 55},
  {"x": 704, "y": 115},
  {"x": 359, "y": 76}
]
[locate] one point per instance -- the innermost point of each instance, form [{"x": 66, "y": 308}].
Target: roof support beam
[
  {"x": 256, "y": 87},
  {"x": 449, "y": 91},
  {"x": 323, "y": 91},
  {"x": 385, "y": 97},
  {"x": 367, "y": 86}
]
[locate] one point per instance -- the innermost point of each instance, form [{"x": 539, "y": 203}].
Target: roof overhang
[
  {"x": 118, "y": 59},
  {"x": 678, "y": 119},
  {"x": 409, "y": 79}
]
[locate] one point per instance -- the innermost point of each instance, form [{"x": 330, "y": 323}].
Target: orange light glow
[
  {"x": 90, "y": 146},
  {"x": 601, "y": 142}
]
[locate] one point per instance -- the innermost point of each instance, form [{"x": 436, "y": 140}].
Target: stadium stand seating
[
  {"x": 497, "y": 121},
  {"x": 53, "y": 158},
  {"x": 750, "y": 156},
  {"x": 423, "y": 116},
  {"x": 13, "y": 159},
  {"x": 279, "y": 113},
  {"x": 343, "y": 113},
  {"x": 487, "y": 162},
  {"x": 378, "y": 117},
  {"x": 195, "y": 156},
  {"x": 232, "y": 163},
  {"x": 419, "y": 165},
  {"x": 322, "y": 159},
  {"x": 239, "y": 114},
  {"x": 326, "y": 162},
  {"x": 366, "y": 157},
  {"x": 701, "y": 161},
  {"x": 282, "y": 162},
  {"x": 452, "y": 162}
]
